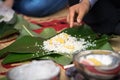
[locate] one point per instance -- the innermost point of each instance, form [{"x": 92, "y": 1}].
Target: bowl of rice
[
  {"x": 35, "y": 70},
  {"x": 100, "y": 64}
]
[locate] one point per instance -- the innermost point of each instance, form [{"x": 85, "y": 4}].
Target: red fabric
[
  {"x": 108, "y": 72},
  {"x": 58, "y": 25}
]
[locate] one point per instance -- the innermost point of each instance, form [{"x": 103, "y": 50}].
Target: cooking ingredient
[
  {"x": 96, "y": 60},
  {"x": 65, "y": 43},
  {"x": 36, "y": 70}
]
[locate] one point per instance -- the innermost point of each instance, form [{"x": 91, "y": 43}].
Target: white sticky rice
[
  {"x": 36, "y": 70},
  {"x": 64, "y": 43},
  {"x": 97, "y": 60}
]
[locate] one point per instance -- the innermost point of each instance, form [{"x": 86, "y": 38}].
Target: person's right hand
[{"x": 81, "y": 9}]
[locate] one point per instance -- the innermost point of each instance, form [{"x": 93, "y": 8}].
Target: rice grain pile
[{"x": 64, "y": 43}]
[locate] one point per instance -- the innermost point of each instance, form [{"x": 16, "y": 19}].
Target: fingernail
[
  {"x": 71, "y": 25},
  {"x": 78, "y": 20}
]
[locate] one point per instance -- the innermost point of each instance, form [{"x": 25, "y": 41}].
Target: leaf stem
[{"x": 27, "y": 30}]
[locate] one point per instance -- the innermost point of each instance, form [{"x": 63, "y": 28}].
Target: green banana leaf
[
  {"x": 47, "y": 33},
  {"x": 1, "y": 16},
  {"x": 18, "y": 25},
  {"x": 26, "y": 44},
  {"x": 6, "y": 30},
  {"x": 83, "y": 31},
  {"x": 20, "y": 22},
  {"x": 24, "y": 27},
  {"x": 30, "y": 48},
  {"x": 13, "y": 20},
  {"x": 4, "y": 78},
  {"x": 18, "y": 57},
  {"x": 58, "y": 58},
  {"x": 34, "y": 26}
]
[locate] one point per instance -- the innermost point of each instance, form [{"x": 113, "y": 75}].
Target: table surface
[{"x": 115, "y": 41}]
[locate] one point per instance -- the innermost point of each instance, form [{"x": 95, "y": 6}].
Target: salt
[{"x": 36, "y": 70}]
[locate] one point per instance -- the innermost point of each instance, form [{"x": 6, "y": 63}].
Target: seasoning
[{"x": 36, "y": 70}]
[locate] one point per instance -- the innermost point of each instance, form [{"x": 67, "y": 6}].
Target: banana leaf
[
  {"x": 30, "y": 48},
  {"x": 24, "y": 27},
  {"x": 4, "y": 78},
  {"x": 6, "y": 30},
  {"x": 1, "y": 17},
  {"x": 26, "y": 44},
  {"x": 47, "y": 33},
  {"x": 83, "y": 31},
  {"x": 18, "y": 25},
  {"x": 18, "y": 57},
  {"x": 34, "y": 26},
  {"x": 20, "y": 22},
  {"x": 58, "y": 58},
  {"x": 13, "y": 20}
]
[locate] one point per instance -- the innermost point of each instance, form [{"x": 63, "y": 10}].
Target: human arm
[{"x": 80, "y": 9}]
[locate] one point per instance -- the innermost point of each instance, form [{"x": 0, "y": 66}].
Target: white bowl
[
  {"x": 108, "y": 68},
  {"x": 35, "y": 70}
]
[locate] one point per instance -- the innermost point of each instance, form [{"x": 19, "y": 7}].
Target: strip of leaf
[
  {"x": 47, "y": 33},
  {"x": 83, "y": 31},
  {"x": 4, "y": 78},
  {"x": 26, "y": 44},
  {"x": 25, "y": 27},
  {"x": 15, "y": 57},
  {"x": 6, "y": 30},
  {"x": 101, "y": 43},
  {"x": 1, "y": 17},
  {"x": 60, "y": 59}
]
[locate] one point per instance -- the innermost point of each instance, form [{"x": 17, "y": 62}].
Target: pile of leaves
[{"x": 28, "y": 45}]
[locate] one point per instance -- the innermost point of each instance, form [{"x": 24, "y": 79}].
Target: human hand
[
  {"x": 80, "y": 9},
  {"x": 9, "y": 3}
]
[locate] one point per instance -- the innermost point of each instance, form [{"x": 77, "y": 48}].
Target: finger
[
  {"x": 68, "y": 21},
  {"x": 76, "y": 24},
  {"x": 80, "y": 16},
  {"x": 71, "y": 17}
]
